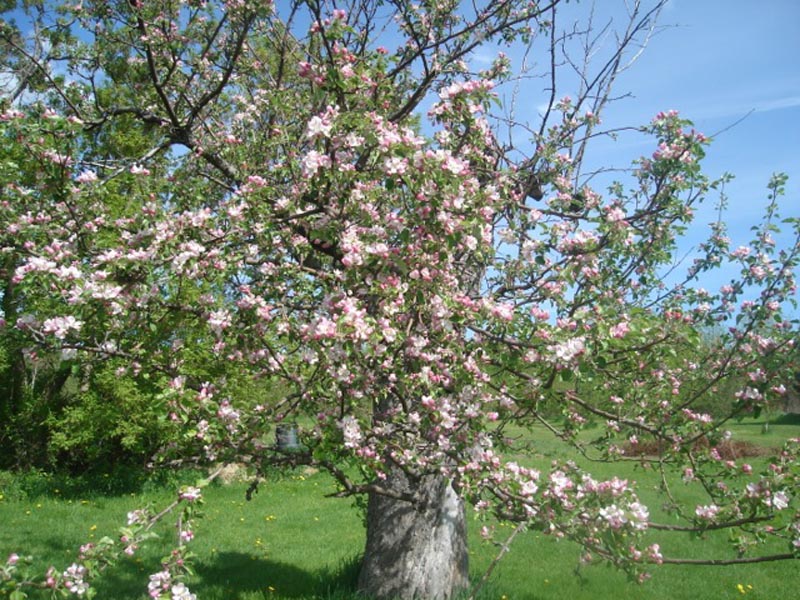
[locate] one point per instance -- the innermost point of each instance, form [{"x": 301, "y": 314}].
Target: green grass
[{"x": 290, "y": 542}]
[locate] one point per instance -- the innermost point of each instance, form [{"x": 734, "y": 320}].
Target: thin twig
[{"x": 504, "y": 548}]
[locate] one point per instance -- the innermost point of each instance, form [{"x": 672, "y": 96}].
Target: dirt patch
[
  {"x": 728, "y": 449},
  {"x": 232, "y": 473}
]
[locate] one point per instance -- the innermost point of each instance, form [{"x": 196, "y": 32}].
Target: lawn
[{"x": 290, "y": 541}]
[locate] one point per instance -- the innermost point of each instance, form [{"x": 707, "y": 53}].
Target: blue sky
[
  {"x": 717, "y": 61},
  {"x": 733, "y": 68}
]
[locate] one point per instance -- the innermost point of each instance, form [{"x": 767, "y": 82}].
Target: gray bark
[{"x": 415, "y": 551}]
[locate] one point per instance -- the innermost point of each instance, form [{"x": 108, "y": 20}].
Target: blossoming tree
[{"x": 319, "y": 194}]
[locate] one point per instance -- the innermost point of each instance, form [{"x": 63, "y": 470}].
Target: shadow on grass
[
  {"x": 787, "y": 419},
  {"x": 65, "y": 485},
  {"x": 127, "y": 580},
  {"x": 232, "y": 574},
  {"x": 235, "y": 575},
  {"x": 784, "y": 419},
  {"x": 495, "y": 590}
]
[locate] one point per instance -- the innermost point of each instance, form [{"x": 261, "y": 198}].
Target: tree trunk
[{"x": 415, "y": 551}]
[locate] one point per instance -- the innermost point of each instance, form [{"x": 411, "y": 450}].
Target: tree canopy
[{"x": 321, "y": 215}]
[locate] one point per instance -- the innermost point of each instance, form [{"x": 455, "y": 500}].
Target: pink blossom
[
  {"x": 620, "y": 330},
  {"x": 351, "y": 431},
  {"x": 749, "y": 393},
  {"x": 256, "y": 181},
  {"x": 758, "y": 272},
  {"x": 502, "y": 311},
  {"x": 640, "y": 515},
  {"x": 318, "y": 127},
  {"x": 219, "y": 320},
  {"x": 73, "y": 579},
  {"x": 11, "y": 114},
  {"x": 698, "y": 417},
  {"x": 708, "y": 512},
  {"x": 539, "y": 313},
  {"x": 61, "y": 326},
  {"x": 654, "y": 553},
  {"x": 190, "y": 493},
  {"x": 159, "y": 582},
  {"x": 569, "y": 350},
  {"x": 559, "y": 484},
  {"x": 139, "y": 170},
  {"x": 313, "y": 162},
  {"x": 58, "y": 158},
  {"x": 179, "y": 591},
  {"x": 614, "y": 515},
  {"x": 227, "y": 413},
  {"x": 614, "y": 486},
  {"x": 778, "y": 500},
  {"x": 528, "y": 488},
  {"x": 86, "y": 176},
  {"x": 137, "y": 517},
  {"x": 741, "y": 252},
  {"x": 395, "y": 165},
  {"x": 324, "y": 328},
  {"x": 455, "y": 165}
]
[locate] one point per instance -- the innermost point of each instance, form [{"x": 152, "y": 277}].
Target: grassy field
[{"x": 291, "y": 542}]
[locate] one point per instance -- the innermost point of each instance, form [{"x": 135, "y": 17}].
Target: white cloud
[{"x": 778, "y": 104}]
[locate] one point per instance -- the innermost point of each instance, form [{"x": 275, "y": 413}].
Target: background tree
[{"x": 251, "y": 195}]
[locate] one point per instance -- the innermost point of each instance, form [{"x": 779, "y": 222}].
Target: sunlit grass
[{"x": 292, "y": 542}]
